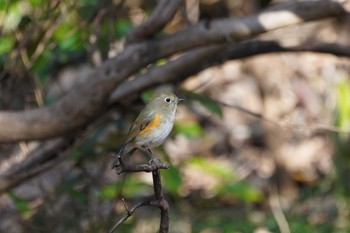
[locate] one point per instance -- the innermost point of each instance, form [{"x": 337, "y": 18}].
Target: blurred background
[{"x": 261, "y": 144}]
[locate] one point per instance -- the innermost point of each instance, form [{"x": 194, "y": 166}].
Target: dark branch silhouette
[{"x": 153, "y": 165}]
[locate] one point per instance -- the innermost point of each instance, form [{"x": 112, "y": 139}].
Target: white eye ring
[{"x": 167, "y": 99}]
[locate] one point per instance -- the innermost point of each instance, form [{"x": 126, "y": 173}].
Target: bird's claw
[{"x": 156, "y": 162}]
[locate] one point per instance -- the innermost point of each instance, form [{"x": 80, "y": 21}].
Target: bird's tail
[
  {"x": 120, "y": 156},
  {"x": 117, "y": 160}
]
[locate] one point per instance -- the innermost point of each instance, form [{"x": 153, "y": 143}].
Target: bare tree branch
[
  {"x": 202, "y": 58},
  {"x": 162, "y": 14},
  {"x": 188, "y": 64},
  {"x": 232, "y": 30},
  {"x": 41, "y": 158},
  {"x": 84, "y": 103},
  {"x": 256, "y": 47},
  {"x": 130, "y": 212}
]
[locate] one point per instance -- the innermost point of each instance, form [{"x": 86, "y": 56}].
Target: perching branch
[
  {"x": 162, "y": 203},
  {"x": 84, "y": 103},
  {"x": 159, "y": 200},
  {"x": 153, "y": 165}
]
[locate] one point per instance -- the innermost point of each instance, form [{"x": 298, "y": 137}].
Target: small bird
[{"x": 152, "y": 126}]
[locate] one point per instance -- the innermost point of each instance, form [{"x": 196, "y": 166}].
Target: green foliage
[
  {"x": 342, "y": 140},
  {"x": 206, "y": 102},
  {"x": 212, "y": 167},
  {"x": 78, "y": 195},
  {"x": 161, "y": 61},
  {"x": 3, "y": 5},
  {"x": 211, "y": 106},
  {"x": 87, "y": 8},
  {"x": 215, "y": 225},
  {"x": 222, "y": 220},
  {"x": 191, "y": 129},
  {"x": 39, "y": 37},
  {"x": 131, "y": 187},
  {"x": 172, "y": 180},
  {"x": 300, "y": 223},
  {"x": 243, "y": 191},
  {"x": 228, "y": 186},
  {"x": 69, "y": 37},
  {"x": 122, "y": 27},
  {"x": 21, "y": 205},
  {"x": 227, "y": 219},
  {"x": 110, "y": 191},
  {"x": 147, "y": 95},
  {"x": 36, "y": 3},
  {"x": 89, "y": 2},
  {"x": 301, "y": 226},
  {"x": 42, "y": 66},
  {"x": 6, "y": 44},
  {"x": 343, "y": 119}
]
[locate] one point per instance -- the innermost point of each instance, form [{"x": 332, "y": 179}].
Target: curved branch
[
  {"x": 74, "y": 110},
  {"x": 188, "y": 64},
  {"x": 233, "y": 30},
  {"x": 202, "y": 58},
  {"x": 41, "y": 158},
  {"x": 162, "y": 14},
  {"x": 84, "y": 103}
]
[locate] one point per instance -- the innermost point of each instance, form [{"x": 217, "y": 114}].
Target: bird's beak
[{"x": 178, "y": 100}]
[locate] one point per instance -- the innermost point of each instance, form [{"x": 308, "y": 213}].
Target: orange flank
[{"x": 154, "y": 123}]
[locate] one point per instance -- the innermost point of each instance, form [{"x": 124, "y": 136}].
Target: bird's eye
[{"x": 167, "y": 100}]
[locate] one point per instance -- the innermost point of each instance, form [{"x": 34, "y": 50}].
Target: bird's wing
[{"x": 141, "y": 122}]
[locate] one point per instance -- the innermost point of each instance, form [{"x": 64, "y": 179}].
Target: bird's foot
[{"x": 155, "y": 162}]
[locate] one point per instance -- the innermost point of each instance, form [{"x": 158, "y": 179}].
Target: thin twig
[
  {"x": 314, "y": 128},
  {"x": 277, "y": 211},
  {"x": 50, "y": 30},
  {"x": 129, "y": 213}
]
